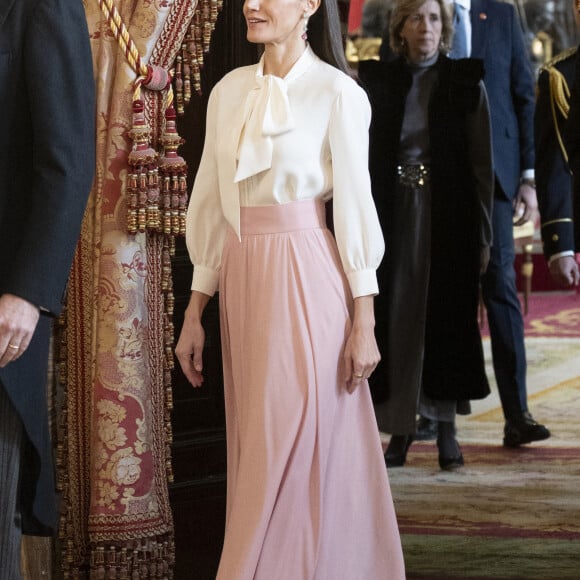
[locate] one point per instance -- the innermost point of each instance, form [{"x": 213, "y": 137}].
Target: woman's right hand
[{"x": 189, "y": 347}]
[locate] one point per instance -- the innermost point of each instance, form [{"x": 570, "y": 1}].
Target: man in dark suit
[
  {"x": 494, "y": 35},
  {"x": 375, "y": 17},
  {"x": 46, "y": 169},
  {"x": 496, "y": 38},
  {"x": 554, "y": 180}
]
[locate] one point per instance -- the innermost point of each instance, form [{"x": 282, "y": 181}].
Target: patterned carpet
[{"x": 508, "y": 514}]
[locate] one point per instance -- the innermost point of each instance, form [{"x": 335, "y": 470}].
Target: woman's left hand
[{"x": 361, "y": 353}]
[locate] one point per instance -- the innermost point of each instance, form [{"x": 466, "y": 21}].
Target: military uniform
[{"x": 553, "y": 176}]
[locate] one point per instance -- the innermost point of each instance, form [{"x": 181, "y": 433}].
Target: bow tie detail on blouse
[{"x": 266, "y": 114}]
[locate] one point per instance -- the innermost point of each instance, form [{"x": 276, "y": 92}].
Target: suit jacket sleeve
[
  {"x": 59, "y": 81},
  {"x": 553, "y": 180},
  {"x": 523, "y": 93}
]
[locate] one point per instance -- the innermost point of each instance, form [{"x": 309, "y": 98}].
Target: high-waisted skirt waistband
[{"x": 269, "y": 219}]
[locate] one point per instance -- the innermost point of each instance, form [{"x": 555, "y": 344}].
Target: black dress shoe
[
  {"x": 426, "y": 429},
  {"x": 523, "y": 430},
  {"x": 396, "y": 453}
]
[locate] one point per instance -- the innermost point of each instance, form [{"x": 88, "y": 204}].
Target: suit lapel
[
  {"x": 5, "y": 8},
  {"x": 479, "y": 19}
]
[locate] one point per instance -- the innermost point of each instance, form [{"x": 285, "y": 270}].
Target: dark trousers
[
  {"x": 11, "y": 439},
  {"x": 504, "y": 313}
]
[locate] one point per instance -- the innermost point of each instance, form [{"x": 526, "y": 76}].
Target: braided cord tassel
[
  {"x": 143, "y": 185},
  {"x": 122, "y": 36}
]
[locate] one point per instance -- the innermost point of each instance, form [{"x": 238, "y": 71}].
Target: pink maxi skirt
[{"x": 308, "y": 496}]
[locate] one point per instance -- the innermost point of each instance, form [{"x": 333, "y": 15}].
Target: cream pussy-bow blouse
[{"x": 273, "y": 141}]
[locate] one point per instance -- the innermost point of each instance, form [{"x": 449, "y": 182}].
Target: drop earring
[{"x": 304, "y": 35}]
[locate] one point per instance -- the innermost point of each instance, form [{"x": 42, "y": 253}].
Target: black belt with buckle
[{"x": 413, "y": 175}]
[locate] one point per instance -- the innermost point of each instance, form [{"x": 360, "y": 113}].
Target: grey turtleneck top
[{"x": 414, "y": 147}]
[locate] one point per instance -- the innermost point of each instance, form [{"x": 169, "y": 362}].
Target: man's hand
[
  {"x": 18, "y": 320},
  {"x": 526, "y": 206},
  {"x": 564, "y": 271}
]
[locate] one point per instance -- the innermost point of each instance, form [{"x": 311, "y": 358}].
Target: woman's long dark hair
[{"x": 325, "y": 37}]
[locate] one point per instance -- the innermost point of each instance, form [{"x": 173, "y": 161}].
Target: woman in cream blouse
[{"x": 308, "y": 495}]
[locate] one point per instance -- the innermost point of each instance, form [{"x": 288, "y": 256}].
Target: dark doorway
[{"x": 199, "y": 449}]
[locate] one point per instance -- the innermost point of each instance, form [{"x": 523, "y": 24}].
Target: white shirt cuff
[
  {"x": 528, "y": 174},
  {"x": 566, "y": 254},
  {"x": 363, "y": 283},
  {"x": 205, "y": 280}
]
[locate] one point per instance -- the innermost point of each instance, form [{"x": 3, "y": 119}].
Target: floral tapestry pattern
[{"x": 115, "y": 439}]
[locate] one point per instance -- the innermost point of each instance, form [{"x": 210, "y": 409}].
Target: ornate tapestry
[{"x": 117, "y": 350}]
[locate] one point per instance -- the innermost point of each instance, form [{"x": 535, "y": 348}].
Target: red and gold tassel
[
  {"x": 173, "y": 178},
  {"x": 143, "y": 179},
  {"x": 195, "y": 45}
]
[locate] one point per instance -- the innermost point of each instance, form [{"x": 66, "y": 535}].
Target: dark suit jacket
[
  {"x": 553, "y": 177},
  {"x": 497, "y": 39},
  {"x": 46, "y": 170}
]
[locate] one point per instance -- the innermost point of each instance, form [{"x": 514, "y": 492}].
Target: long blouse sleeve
[
  {"x": 356, "y": 224},
  {"x": 320, "y": 151},
  {"x": 205, "y": 224}
]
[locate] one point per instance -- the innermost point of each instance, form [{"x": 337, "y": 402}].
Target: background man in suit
[
  {"x": 554, "y": 180},
  {"x": 375, "y": 17},
  {"x": 46, "y": 169},
  {"x": 493, "y": 33}
]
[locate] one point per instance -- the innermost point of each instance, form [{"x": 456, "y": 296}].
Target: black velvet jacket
[{"x": 462, "y": 192}]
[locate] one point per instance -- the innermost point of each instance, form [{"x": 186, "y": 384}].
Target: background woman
[
  {"x": 432, "y": 181},
  {"x": 308, "y": 495}
]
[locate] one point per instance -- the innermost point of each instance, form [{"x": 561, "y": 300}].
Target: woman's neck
[
  {"x": 279, "y": 59},
  {"x": 423, "y": 62}
]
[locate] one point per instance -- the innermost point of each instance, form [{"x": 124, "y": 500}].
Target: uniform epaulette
[
  {"x": 559, "y": 93},
  {"x": 559, "y": 58}
]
